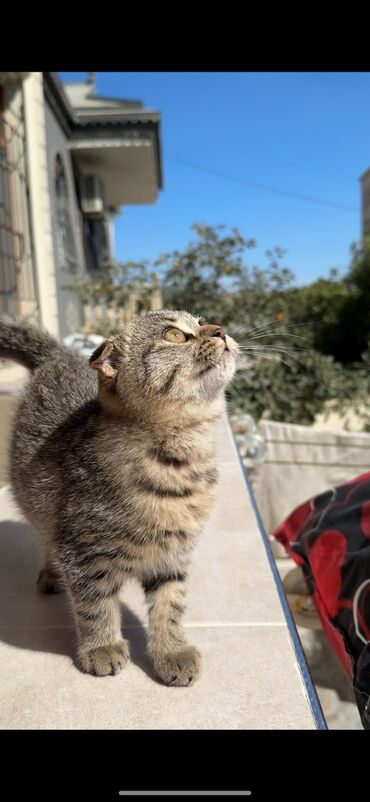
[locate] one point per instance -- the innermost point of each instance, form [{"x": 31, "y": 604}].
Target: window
[
  {"x": 96, "y": 242},
  {"x": 17, "y": 281}
]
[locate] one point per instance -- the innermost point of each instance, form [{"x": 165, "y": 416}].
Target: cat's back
[{"x": 61, "y": 387}]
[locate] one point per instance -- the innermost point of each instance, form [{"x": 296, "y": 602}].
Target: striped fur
[{"x": 118, "y": 475}]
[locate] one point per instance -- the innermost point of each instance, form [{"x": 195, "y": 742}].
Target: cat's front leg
[
  {"x": 101, "y": 648},
  {"x": 174, "y": 661}
]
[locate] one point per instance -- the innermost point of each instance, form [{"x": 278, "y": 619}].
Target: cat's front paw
[
  {"x": 104, "y": 660},
  {"x": 181, "y": 668}
]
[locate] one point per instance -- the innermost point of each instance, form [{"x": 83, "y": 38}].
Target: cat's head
[{"x": 168, "y": 357}]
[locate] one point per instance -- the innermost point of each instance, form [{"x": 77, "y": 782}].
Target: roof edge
[{"x": 71, "y": 120}]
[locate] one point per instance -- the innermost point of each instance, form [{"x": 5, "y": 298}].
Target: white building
[{"x": 69, "y": 160}]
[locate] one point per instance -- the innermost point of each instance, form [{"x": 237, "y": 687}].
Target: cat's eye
[{"x": 174, "y": 336}]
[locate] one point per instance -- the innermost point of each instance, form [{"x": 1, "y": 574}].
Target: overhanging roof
[
  {"x": 83, "y": 97},
  {"x": 116, "y": 139},
  {"x": 125, "y": 165}
]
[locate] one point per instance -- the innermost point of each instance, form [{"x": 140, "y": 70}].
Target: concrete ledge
[{"x": 251, "y": 677}]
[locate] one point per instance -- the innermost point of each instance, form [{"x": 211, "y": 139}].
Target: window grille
[{"x": 17, "y": 279}]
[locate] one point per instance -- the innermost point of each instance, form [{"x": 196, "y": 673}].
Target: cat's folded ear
[{"x": 105, "y": 360}]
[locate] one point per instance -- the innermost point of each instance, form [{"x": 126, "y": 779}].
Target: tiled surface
[
  {"x": 240, "y": 688},
  {"x": 230, "y": 578},
  {"x": 250, "y": 677}
]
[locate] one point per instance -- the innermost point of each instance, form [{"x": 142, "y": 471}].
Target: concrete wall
[
  {"x": 34, "y": 113},
  {"x": 69, "y": 306}
]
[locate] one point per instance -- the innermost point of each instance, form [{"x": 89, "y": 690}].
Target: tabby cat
[{"x": 118, "y": 475}]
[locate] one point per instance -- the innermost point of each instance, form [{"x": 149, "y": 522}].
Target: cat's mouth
[{"x": 216, "y": 360}]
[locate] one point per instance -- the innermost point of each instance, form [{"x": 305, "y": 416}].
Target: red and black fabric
[{"x": 329, "y": 537}]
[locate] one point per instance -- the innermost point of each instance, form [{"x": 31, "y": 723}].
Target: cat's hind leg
[{"x": 49, "y": 579}]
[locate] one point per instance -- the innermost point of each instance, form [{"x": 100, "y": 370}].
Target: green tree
[
  {"x": 340, "y": 308},
  {"x": 211, "y": 277},
  {"x": 355, "y": 317},
  {"x": 322, "y": 304},
  {"x": 290, "y": 336},
  {"x": 205, "y": 276},
  {"x": 114, "y": 283}
]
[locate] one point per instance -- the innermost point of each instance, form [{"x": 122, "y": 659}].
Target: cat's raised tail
[{"x": 25, "y": 344}]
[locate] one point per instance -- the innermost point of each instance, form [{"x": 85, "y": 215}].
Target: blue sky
[{"x": 303, "y": 133}]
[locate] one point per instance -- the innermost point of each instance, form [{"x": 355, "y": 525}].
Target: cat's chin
[
  {"x": 227, "y": 356},
  {"x": 218, "y": 374}
]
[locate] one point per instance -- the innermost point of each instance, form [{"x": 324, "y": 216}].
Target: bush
[
  {"x": 339, "y": 308},
  {"x": 273, "y": 389},
  {"x": 297, "y": 392}
]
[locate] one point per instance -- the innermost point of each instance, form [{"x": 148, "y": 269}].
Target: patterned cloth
[{"x": 329, "y": 537}]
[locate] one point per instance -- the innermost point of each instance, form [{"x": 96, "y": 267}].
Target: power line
[{"x": 263, "y": 187}]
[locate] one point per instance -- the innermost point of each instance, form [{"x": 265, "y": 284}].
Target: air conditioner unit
[{"x": 92, "y": 196}]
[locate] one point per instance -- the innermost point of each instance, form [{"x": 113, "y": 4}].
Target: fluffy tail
[{"x": 25, "y": 344}]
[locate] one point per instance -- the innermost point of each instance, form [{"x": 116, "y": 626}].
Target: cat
[{"x": 118, "y": 475}]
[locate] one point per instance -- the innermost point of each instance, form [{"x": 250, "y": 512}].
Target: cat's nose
[
  {"x": 219, "y": 332},
  {"x": 211, "y": 330}
]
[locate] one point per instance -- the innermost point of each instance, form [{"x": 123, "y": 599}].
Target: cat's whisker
[
  {"x": 281, "y": 334},
  {"x": 294, "y": 321},
  {"x": 258, "y": 328},
  {"x": 275, "y": 324},
  {"x": 233, "y": 332},
  {"x": 288, "y": 353},
  {"x": 254, "y": 351},
  {"x": 276, "y": 347},
  {"x": 260, "y": 353},
  {"x": 267, "y": 347}
]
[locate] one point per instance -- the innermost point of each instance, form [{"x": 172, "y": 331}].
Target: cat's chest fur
[{"x": 165, "y": 480}]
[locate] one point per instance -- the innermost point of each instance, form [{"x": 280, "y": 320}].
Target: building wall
[
  {"x": 34, "y": 114},
  {"x": 25, "y": 250},
  {"x": 67, "y": 270}
]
